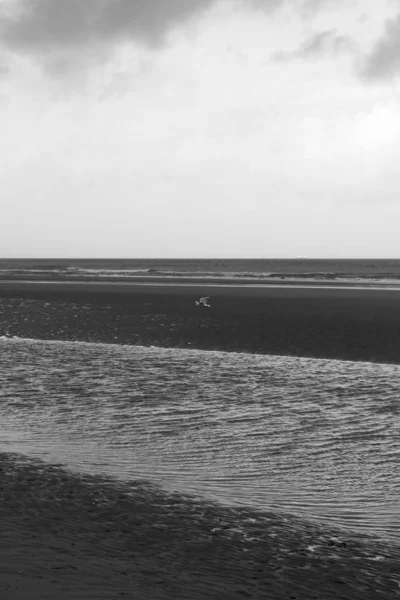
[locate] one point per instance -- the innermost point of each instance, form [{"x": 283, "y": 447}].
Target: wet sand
[
  {"x": 323, "y": 322},
  {"x": 72, "y": 537}
]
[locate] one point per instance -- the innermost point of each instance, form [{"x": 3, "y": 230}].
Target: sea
[
  {"x": 299, "y": 268},
  {"x": 319, "y": 439}
]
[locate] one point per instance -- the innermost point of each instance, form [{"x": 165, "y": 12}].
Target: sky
[{"x": 200, "y": 128}]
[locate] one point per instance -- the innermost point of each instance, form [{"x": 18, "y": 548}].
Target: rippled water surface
[{"x": 318, "y": 438}]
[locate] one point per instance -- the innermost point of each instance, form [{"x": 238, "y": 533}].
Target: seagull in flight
[{"x": 203, "y": 302}]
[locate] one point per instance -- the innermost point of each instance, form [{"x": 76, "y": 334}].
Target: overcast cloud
[
  {"x": 40, "y": 25},
  {"x": 158, "y": 124},
  {"x": 320, "y": 44},
  {"x": 383, "y": 62}
]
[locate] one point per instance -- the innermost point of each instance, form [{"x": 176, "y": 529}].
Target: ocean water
[
  {"x": 315, "y": 438},
  {"x": 301, "y": 268}
]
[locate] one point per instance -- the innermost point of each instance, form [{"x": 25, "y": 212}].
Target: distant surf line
[{"x": 219, "y": 284}]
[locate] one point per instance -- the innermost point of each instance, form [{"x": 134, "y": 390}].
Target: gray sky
[{"x": 199, "y": 128}]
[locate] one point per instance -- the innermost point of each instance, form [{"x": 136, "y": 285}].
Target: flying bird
[{"x": 203, "y": 302}]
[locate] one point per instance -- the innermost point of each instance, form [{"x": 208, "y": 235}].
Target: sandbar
[{"x": 335, "y": 321}]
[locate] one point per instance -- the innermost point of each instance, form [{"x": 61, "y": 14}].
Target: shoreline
[
  {"x": 73, "y": 536},
  {"x": 344, "y": 323}
]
